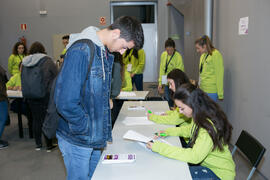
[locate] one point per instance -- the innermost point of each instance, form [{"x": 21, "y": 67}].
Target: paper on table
[
  {"x": 126, "y": 94},
  {"x": 132, "y": 121},
  {"x": 133, "y": 135},
  {"x": 12, "y": 93},
  {"x": 136, "y": 108}
]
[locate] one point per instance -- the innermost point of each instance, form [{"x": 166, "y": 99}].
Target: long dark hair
[
  {"x": 179, "y": 78},
  {"x": 206, "y": 114},
  {"x": 118, "y": 58},
  {"x": 134, "y": 53},
  {"x": 205, "y": 40},
  {"x": 15, "y": 48}
]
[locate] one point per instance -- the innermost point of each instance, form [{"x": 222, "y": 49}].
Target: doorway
[{"x": 145, "y": 12}]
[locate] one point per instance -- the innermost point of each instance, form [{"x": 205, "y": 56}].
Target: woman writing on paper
[
  {"x": 209, "y": 134},
  {"x": 175, "y": 78},
  {"x": 211, "y": 68},
  {"x": 169, "y": 60}
]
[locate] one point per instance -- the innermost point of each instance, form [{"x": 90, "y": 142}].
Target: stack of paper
[
  {"x": 127, "y": 94},
  {"x": 132, "y": 121}
]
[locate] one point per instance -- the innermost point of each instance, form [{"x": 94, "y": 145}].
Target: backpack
[
  {"x": 52, "y": 117},
  {"x": 33, "y": 86}
]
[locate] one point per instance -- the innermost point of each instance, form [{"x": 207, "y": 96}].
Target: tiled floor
[{"x": 20, "y": 161}]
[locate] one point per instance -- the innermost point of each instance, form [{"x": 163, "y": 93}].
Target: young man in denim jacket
[{"x": 85, "y": 126}]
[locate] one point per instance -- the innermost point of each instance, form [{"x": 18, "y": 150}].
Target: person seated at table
[
  {"x": 209, "y": 134},
  {"x": 14, "y": 82},
  {"x": 175, "y": 78},
  {"x": 127, "y": 82}
]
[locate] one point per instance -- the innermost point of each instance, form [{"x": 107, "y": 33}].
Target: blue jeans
[
  {"x": 3, "y": 116},
  {"x": 200, "y": 172},
  {"x": 213, "y": 96},
  {"x": 138, "y": 81},
  {"x": 80, "y": 161},
  {"x": 168, "y": 96}
]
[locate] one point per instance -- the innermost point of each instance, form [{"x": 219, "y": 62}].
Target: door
[{"x": 145, "y": 12}]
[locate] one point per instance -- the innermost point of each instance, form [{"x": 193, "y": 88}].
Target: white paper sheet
[
  {"x": 16, "y": 94},
  {"x": 134, "y": 108},
  {"x": 126, "y": 94},
  {"x": 135, "y": 136},
  {"x": 132, "y": 121}
]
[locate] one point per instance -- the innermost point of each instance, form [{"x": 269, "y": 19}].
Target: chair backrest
[{"x": 251, "y": 147}]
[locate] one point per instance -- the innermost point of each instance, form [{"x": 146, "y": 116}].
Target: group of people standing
[
  {"x": 83, "y": 89},
  {"x": 35, "y": 107}
]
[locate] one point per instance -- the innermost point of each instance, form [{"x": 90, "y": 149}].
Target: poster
[{"x": 243, "y": 26}]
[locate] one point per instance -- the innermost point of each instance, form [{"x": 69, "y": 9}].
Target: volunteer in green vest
[
  {"x": 14, "y": 82},
  {"x": 65, "y": 41},
  {"x": 18, "y": 53},
  {"x": 169, "y": 60},
  {"x": 209, "y": 135},
  {"x": 134, "y": 61},
  {"x": 211, "y": 68},
  {"x": 175, "y": 79},
  {"x": 127, "y": 82}
]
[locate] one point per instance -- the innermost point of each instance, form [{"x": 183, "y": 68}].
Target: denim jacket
[{"x": 86, "y": 119}]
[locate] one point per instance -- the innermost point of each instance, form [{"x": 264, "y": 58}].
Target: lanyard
[
  {"x": 20, "y": 57},
  {"x": 201, "y": 68},
  {"x": 167, "y": 63}
]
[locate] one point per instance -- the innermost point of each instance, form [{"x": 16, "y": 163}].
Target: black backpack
[
  {"x": 52, "y": 117},
  {"x": 32, "y": 79}
]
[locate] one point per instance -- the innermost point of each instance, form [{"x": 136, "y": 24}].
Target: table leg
[{"x": 20, "y": 118}]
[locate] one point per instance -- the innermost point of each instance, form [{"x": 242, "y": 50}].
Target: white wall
[
  {"x": 64, "y": 16},
  {"x": 247, "y": 68}
]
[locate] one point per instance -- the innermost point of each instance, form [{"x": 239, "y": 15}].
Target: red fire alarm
[{"x": 102, "y": 20}]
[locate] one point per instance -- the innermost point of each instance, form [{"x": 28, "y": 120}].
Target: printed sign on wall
[{"x": 243, "y": 26}]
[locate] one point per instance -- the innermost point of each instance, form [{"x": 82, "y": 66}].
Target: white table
[
  {"x": 140, "y": 95},
  {"x": 18, "y": 95},
  {"x": 148, "y": 165}
]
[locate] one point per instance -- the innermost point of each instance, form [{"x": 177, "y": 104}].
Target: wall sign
[{"x": 243, "y": 26}]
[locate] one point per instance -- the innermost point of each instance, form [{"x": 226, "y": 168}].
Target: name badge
[
  {"x": 164, "y": 79},
  {"x": 129, "y": 67}
]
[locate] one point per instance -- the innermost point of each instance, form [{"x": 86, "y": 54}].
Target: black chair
[{"x": 251, "y": 148}]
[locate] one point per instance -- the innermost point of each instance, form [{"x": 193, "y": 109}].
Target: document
[
  {"x": 133, "y": 121},
  {"x": 126, "y": 94},
  {"x": 135, "y": 136},
  {"x": 139, "y": 108}
]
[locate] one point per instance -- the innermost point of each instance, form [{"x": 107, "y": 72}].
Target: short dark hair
[
  {"x": 65, "y": 37},
  {"x": 130, "y": 30},
  {"x": 37, "y": 47},
  {"x": 169, "y": 43},
  {"x": 15, "y": 48}
]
